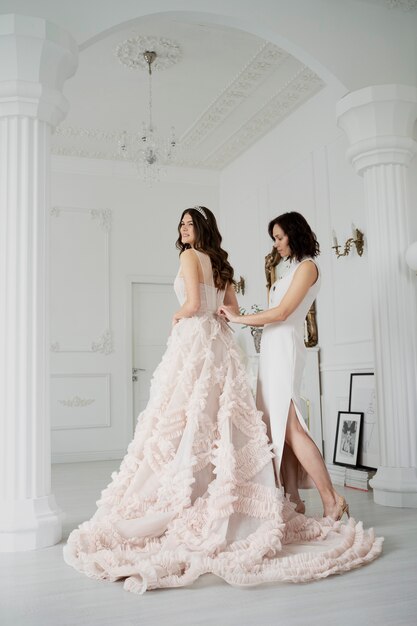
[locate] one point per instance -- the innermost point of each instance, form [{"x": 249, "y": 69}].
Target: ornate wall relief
[{"x": 80, "y": 401}]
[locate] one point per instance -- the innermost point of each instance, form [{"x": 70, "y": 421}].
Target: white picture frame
[{"x": 362, "y": 397}]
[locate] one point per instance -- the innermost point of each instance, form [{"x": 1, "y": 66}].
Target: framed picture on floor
[
  {"x": 348, "y": 435},
  {"x": 362, "y": 397}
]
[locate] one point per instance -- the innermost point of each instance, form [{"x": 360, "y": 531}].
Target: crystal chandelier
[{"x": 149, "y": 151}]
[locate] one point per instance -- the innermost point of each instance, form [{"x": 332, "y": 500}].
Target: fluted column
[
  {"x": 36, "y": 57},
  {"x": 379, "y": 124}
]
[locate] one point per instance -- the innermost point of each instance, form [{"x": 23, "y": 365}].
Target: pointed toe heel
[{"x": 343, "y": 508}]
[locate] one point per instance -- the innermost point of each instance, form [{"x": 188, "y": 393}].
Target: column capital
[
  {"x": 378, "y": 122},
  {"x": 36, "y": 58}
]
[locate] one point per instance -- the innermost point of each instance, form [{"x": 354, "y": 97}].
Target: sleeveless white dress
[
  {"x": 196, "y": 490},
  {"x": 281, "y": 366}
]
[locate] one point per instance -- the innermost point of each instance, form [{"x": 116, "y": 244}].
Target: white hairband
[{"x": 201, "y": 210}]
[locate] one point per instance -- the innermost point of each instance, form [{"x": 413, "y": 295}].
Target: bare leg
[
  {"x": 289, "y": 472},
  {"x": 310, "y": 458}
]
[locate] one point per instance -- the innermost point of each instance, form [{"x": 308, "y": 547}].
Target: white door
[{"x": 153, "y": 305}]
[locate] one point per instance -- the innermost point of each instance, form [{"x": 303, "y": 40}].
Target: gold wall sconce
[
  {"x": 240, "y": 286},
  {"x": 357, "y": 241}
]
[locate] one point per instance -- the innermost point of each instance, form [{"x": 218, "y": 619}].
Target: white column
[
  {"x": 379, "y": 124},
  {"x": 35, "y": 59}
]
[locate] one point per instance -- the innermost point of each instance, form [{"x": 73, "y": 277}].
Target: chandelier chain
[{"x": 150, "y": 99}]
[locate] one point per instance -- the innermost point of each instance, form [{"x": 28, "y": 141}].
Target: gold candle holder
[{"x": 357, "y": 241}]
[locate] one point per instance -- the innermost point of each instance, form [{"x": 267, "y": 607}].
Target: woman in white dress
[
  {"x": 297, "y": 459},
  {"x": 196, "y": 490}
]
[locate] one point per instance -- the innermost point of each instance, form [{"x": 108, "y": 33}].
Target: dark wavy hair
[
  {"x": 301, "y": 239},
  {"x": 208, "y": 239}
]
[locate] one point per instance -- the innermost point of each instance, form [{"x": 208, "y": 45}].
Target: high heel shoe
[{"x": 342, "y": 508}]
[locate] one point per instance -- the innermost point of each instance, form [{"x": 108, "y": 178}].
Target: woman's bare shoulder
[{"x": 188, "y": 257}]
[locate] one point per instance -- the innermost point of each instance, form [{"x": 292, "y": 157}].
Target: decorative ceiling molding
[
  {"x": 87, "y": 133},
  {"x": 109, "y": 155},
  {"x": 97, "y": 143},
  {"x": 303, "y": 85},
  {"x": 130, "y": 52},
  {"x": 405, "y": 5},
  {"x": 88, "y": 153},
  {"x": 267, "y": 59}
]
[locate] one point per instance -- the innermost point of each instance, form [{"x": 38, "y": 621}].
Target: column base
[
  {"x": 395, "y": 486},
  {"x": 30, "y": 524}
]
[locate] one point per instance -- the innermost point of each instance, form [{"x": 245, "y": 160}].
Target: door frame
[{"x": 131, "y": 280}]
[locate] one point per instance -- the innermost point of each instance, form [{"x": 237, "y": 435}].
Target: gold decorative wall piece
[
  {"x": 311, "y": 335},
  {"x": 271, "y": 261},
  {"x": 240, "y": 286},
  {"x": 357, "y": 241}
]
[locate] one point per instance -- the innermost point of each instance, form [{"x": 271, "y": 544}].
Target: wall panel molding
[
  {"x": 80, "y": 401},
  {"x": 80, "y": 280}
]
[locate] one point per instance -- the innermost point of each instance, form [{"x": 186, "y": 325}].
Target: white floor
[{"x": 39, "y": 589}]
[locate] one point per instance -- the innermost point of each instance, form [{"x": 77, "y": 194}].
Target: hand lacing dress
[{"x": 196, "y": 491}]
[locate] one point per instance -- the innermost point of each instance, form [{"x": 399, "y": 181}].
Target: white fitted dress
[{"x": 281, "y": 365}]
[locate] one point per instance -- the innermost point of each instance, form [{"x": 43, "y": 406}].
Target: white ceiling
[{"x": 229, "y": 89}]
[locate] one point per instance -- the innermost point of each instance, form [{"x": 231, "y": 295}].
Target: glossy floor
[{"x": 38, "y": 589}]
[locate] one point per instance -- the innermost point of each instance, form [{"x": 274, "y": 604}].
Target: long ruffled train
[{"x": 196, "y": 491}]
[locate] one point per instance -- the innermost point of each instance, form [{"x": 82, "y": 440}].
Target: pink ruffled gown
[{"x": 195, "y": 492}]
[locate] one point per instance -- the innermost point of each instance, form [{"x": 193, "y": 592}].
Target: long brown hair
[
  {"x": 301, "y": 239},
  {"x": 208, "y": 239}
]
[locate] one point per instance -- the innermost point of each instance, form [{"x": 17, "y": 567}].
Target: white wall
[
  {"x": 301, "y": 166},
  {"x": 141, "y": 242}
]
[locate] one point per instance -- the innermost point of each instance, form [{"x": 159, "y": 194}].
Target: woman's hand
[
  {"x": 228, "y": 314},
  {"x": 176, "y": 318}
]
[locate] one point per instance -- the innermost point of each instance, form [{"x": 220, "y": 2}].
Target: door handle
[{"x": 135, "y": 370}]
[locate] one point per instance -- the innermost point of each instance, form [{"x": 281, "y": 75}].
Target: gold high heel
[{"x": 342, "y": 508}]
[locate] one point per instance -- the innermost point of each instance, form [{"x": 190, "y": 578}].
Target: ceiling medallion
[{"x": 130, "y": 52}]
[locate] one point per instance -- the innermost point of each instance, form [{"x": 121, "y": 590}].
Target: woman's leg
[
  {"x": 310, "y": 458},
  {"x": 289, "y": 473}
]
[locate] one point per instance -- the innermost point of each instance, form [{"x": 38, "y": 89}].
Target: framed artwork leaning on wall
[
  {"x": 348, "y": 435},
  {"x": 362, "y": 397}
]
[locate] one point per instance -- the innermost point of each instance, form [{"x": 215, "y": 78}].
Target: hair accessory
[{"x": 201, "y": 210}]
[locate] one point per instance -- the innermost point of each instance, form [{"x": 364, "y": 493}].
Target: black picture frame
[
  {"x": 362, "y": 398},
  {"x": 348, "y": 438}
]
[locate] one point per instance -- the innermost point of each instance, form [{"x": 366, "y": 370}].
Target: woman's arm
[
  {"x": 189, "y": 270},
  {"x": 305, "y": 276}
]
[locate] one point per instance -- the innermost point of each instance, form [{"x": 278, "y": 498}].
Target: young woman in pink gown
[{"x": 196, "y": 491}]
